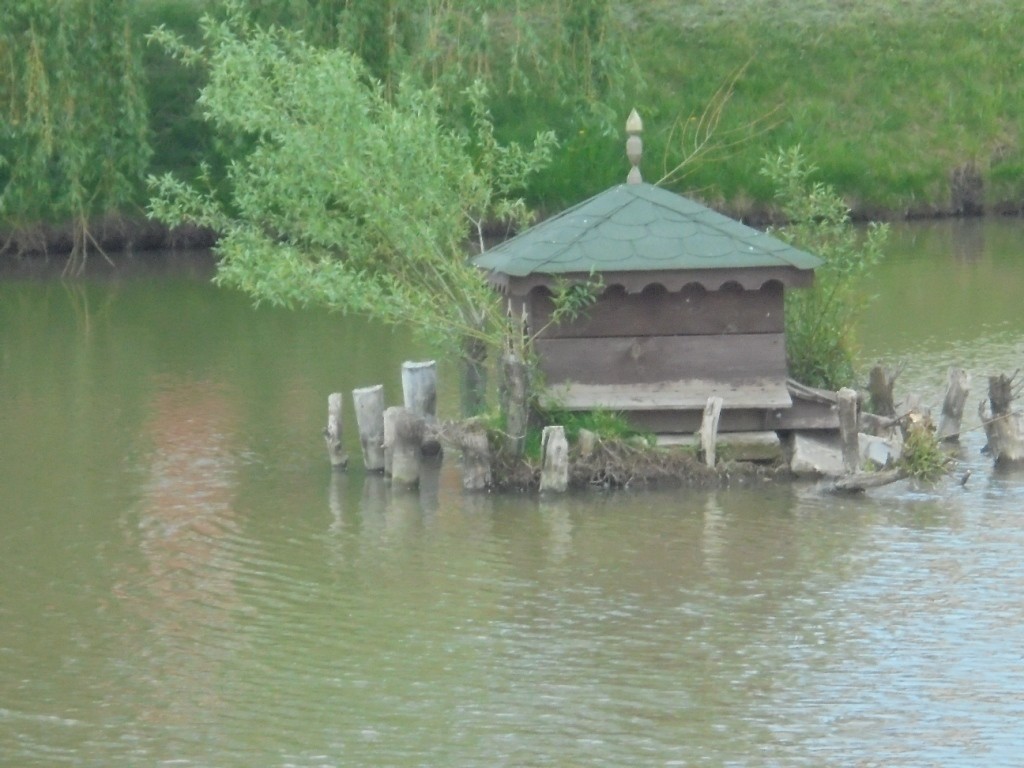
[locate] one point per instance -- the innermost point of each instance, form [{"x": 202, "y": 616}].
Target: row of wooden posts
[
  {"x": 392, "y": 439},
  {"x": 1001, "y": 422},
  {"x": 395, "y": 439}
]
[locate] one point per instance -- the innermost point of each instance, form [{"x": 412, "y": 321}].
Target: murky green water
[{"x": 185, "y": 583}]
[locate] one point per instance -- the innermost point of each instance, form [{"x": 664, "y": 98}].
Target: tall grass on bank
[{"x": 885, "y": 99}]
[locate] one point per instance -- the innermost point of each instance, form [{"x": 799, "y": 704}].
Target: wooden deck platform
[
  {"x": 676, "y": 407},
  {"x": 685, "y": 394}
]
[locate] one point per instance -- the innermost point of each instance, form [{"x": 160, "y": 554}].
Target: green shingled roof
[{"x": 639, "y": 227}]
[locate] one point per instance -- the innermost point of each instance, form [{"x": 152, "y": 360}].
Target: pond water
[{"x": 186, "y": 583}]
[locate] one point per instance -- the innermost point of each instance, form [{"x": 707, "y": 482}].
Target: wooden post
[
  {"x": 476, "y": 456},
  {"x": 419, "y": 393},
  {"x": 848, "y": 432},
  {"x": 709, "y": 429},
  {"x": 554, "y": 474},
  {"x": 419, "y": 387},
  {"x": 1002, "y": 425},
  {"x": 880, "y": 385},
  {"x": 369, "y": 404},
  {"x": 474, "y": 376},
  {"x": 513, "y": 401},
  {"x": 957, "y": 389},
  {"x": 587, "y": 443},
  {"x": 333, "y": 432},
  {"x": 403, "y": 434}
]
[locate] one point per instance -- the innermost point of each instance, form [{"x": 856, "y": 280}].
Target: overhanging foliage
[{"x": 341, "y": 194}]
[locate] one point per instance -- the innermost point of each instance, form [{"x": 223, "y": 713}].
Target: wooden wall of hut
[
  {"x": 661, "y": 354},
  {"x": 654, "y": 312}
]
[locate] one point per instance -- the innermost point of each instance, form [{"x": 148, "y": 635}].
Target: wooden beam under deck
[
  {"x": 685, "y": 394},
  {"x": 650, "y": 360}
]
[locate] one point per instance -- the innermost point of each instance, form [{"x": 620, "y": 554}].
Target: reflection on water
[
  {"x": 186, "y": 582},
  {"x": 183, "y": 529},
  {"x": 948, "y": 294}
]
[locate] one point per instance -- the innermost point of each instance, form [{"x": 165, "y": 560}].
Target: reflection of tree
[
  {"x": 185, "y": 590},
  {"x": 967, "y": 240}
]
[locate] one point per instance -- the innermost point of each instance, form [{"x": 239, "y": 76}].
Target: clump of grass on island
[
  {"x": 924, "y": 457},
  {"x": 606, "y": 425},
  {"x": 616, "y": 456}
]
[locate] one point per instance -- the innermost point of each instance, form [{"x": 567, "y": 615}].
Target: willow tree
[
  {"x": 73, "y": 137},
  {"x": 383, "y": 33},
  {"x": 342, "y": 195}
]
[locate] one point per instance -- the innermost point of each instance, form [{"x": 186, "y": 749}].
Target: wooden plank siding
[
  {"x": 653, "y": 359},
  {"x": 693, "y": 312},
  {"x": 656, "y": 356}
]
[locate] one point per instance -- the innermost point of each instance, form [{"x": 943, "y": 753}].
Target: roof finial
[{"x": 634, "y": 146}]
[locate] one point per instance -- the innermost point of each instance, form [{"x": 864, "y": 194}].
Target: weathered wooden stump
[
  {"x": 849, "y": 433},
  {"x": 958, "y": 386},
  {"x": 419, "y": 394},
  {"x": 419, "y": 387},
  {"x": 554, "y": 474},
  {"x": 1002, "y": 425},
  {"x": 333, "y": 432},
  {"x": 880, "y": 386},
  {"x": 587, "y": 443},
  {"x": 403, "y": 436},
  {"x": 476, "y": 456},
  {"x": 709, "y": 429},
  {"x": 513, "y": 401},
  {"x": 369, "y": 405}
]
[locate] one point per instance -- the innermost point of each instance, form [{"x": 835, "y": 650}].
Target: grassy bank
[{"x": 885, "y": 100}]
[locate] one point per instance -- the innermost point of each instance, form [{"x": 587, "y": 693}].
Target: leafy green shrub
[
  {"x": 923, "y": 456},
  {"x": 820, "y": 320},
  {"x": 341, "y": 195}
]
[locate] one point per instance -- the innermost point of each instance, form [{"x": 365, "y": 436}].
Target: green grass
[
  {"x": 607, "y": 425},
  {"x": 886, "y": 99},
  {"x": 885, "y": 102},
  {"x": 924, "y": 456}
]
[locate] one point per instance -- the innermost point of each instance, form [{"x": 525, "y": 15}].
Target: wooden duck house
[{"x": 692, "y": 307}]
